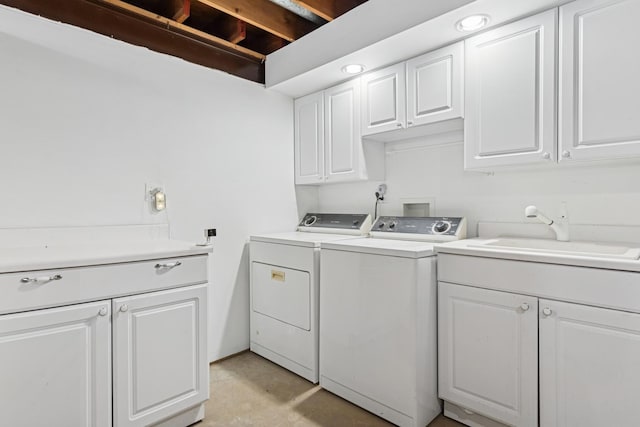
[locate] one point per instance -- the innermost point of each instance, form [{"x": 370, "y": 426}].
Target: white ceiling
[{"x": 379, "y": 33}]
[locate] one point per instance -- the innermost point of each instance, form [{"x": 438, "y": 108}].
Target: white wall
[
  {"x": 86, "y": 121},
  {"x": 597, "y": 194}
]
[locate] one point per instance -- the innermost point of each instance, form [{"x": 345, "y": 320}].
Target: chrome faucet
[{"x": 561, "y": 228}]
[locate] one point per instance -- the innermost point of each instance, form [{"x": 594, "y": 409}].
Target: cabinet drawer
[{"x": 97, "y": 282}]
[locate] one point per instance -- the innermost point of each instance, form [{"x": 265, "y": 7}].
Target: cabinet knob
[
  {"x": 546, "y": 155},
  {"x": 124, "y": 308},
  {"x": 566, "y": 154},
  {"x": 524, "y": 306},
  {"x": 547, "y": 311},
  {"x": 410, "y": 123},
  {"x": 399, "y": 125},
  {"x": 103, "y": 311}
]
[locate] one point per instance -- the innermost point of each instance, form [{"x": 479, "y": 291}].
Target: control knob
[
  {"x": 310, "y": 220},
  {"x": 381, "y": 225},
  {"x": 441, "y": 227},
  {"x": 392, "y": 225}
]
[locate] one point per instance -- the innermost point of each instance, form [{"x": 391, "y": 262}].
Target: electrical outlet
[{"x": 382, "y": 189}]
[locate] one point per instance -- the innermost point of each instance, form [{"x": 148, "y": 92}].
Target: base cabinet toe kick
[
  {"x": 528, "y": 344},
  {"x": 118, "y": 345}
]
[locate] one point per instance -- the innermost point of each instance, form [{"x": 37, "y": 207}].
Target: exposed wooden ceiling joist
[
  {"x": 328, "y": 9},
  {"x": 182, "y": 10},
  {"x": 231, "y": 35},
  {"x": 103, "y": 18},
  {"x": 266, "y": 15},
  {"x": 171, "y": 24}
]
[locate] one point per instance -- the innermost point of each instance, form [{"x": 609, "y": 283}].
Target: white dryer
[
  {"x": 378, "y": 331},
  {"x": 285, "y": 279}
]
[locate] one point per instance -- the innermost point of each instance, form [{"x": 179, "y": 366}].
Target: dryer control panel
[
  {"x": 357, "y": 224},
  {"x": 432, "y": 229}
]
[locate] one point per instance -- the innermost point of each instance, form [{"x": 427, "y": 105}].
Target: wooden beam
[
  {"x": 102, "y": 18},
  {"x": 328, "y": 9},
  {"x": 266, "y": 15},
  {"x": 234, "y": 30},
  {"x": 325, "y": 9},
  {"x": 182, "y": 10},
  {"x": 171, "y": 24}
]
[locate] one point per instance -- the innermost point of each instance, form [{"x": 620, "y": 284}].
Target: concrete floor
[{"x": 248, "y": 390}]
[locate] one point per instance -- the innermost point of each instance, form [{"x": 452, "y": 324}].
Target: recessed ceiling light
[
  {"x": 472, "y": 23},
  {"x": 353, "y": 68}
]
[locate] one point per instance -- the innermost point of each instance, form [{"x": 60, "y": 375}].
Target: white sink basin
[{"x": 598, "y": 250}]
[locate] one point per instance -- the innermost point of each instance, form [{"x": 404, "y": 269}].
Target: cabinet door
[
  {"x": 384, "y": 100},
  {"x": 589, "y": 366},
  {"x": 159, "y": 350},
  {"x": 434, "y": 86},
  {"x": 55, "y": 367},
  {"x": 599, "y": 84},
  {"x": 488, "y": 353},
  {"x": 343, "y": 144},
  {"x": 309, "y": 139},
  {"x": 510, "y": 115}
]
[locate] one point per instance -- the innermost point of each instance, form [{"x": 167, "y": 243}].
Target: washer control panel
[
  {"x": 420, "y": 228},
  {"x": 336, "y": 223}
]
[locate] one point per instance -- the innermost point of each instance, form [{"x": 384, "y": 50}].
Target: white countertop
[
  {"x": 470, "y": 247},
  {"x": 85, "y": 254}
]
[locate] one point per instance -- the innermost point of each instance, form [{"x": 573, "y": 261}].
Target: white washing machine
[
  {"x": 378, "y": 331},
  {"x": 285, "y": 278}
]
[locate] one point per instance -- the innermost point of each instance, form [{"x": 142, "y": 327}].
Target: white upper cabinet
[
  {"x": 309, "y": 139},
  {"x": 423, "y": 90},
  {"x": 343, "y": 144},
  {"x": 384, "y": 100},
  {"x": 328, "y": 144},
  {"x": 589, "y": 366},
  {"x": 510, "y": 115},
  {"x": 434, "y": 86},
  {"x": 599, "y": 80}
]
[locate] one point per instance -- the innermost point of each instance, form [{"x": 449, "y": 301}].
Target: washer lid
[
  {"x": 297, "y": 238},
  {"x": 388, "y": 247}
]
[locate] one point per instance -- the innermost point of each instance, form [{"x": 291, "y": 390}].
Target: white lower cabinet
[
  {"x": 488, "y": 353},
  {"x": 159, "y": 361},
  {"x": 589, "y": 366},
  {"x": 127, "y": 359},
  {"x": 496, "y": 347},
  {"x": 55, "y": 367}
]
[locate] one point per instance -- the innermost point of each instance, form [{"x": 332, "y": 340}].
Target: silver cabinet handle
[
  {"x": 566, "y": 154},
  {"x": 546, "y": 155},
  {"x": 547, "y": 311},
  {"x": 103, "y": 311},
  {"x": 41, "y": 279},
  {"x": 169, "y": 265},
  {"x": 123, "y": 308},
  {"x": 524, "y": 306}
]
